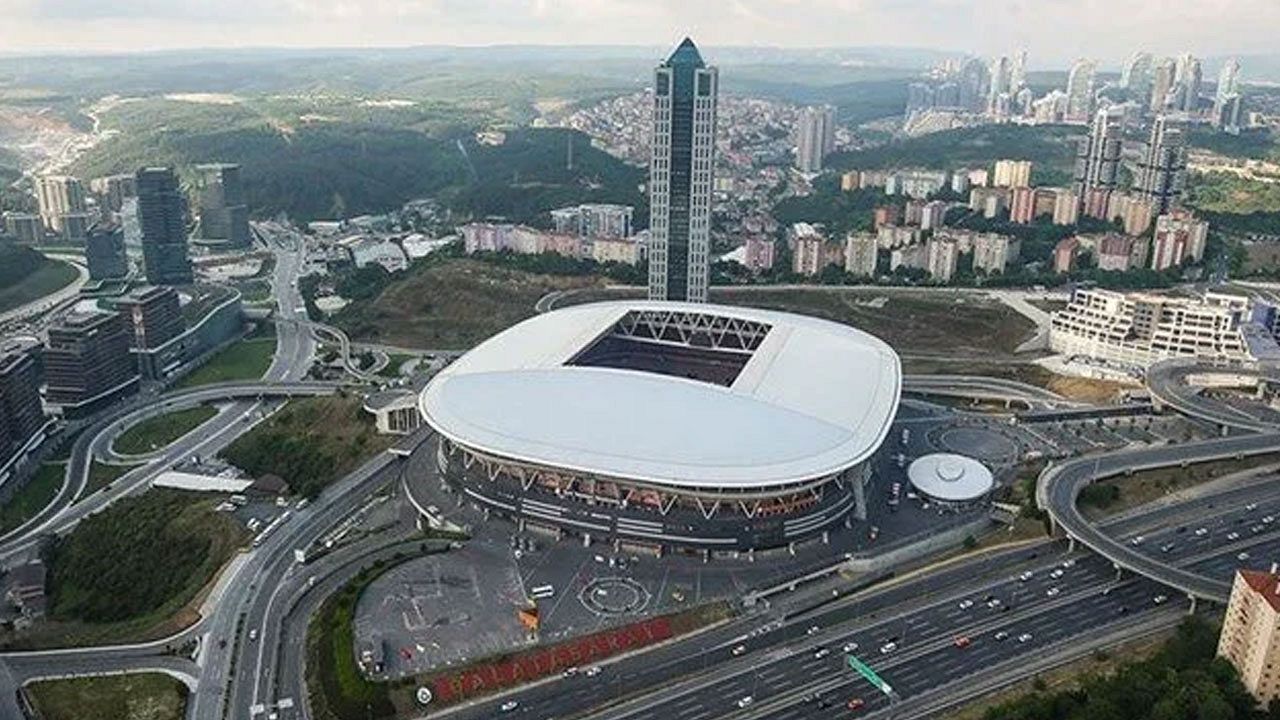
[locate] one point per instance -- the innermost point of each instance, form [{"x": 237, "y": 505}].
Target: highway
[{"x": 1167, "y": 383}]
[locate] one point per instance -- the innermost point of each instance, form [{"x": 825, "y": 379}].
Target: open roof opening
[{"x": 693, "y": 345}]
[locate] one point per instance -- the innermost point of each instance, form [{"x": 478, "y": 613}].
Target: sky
[{"x": 1054, "y": 31}]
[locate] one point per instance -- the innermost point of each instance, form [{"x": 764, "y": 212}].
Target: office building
[
  {"x": 21, "y": 414},
  {"x": 104, "y": 252},
  {"x": 113, "y": 190},
  {"x": 1065, "y": 255},
  {"x": 1097, "y": 164},
  {"x": 860, "y": 254},
  {"x": 162, "y": 218},
  {"x": 1080, "y": 90},
  {"x": 1012, "y": 173},
  {"x": 942, "y": 256},
  {"x": 1180, "y": 237},
  {"x": 1163, "y": 167},
  {"x": 58, "y": 196},
  {"x": 1250, "y": 638},
  {"x": 815, "y": 137},
  {"x": 594, "y": 220},
  {"x": 23, "y": 227},
  {"x": 224, "y": 215},
  {"x": 992, "y": 252},
  {"x": 156, "y": 320},
  {"x": 681, "y": 173},
  {"x": 1138, "y": 329},
  {"x": 87, "y": 362}
]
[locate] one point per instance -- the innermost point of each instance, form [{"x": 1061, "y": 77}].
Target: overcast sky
[{"x": 1054, "y": 31}]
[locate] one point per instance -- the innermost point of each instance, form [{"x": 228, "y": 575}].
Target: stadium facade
[{"x": 661, "y": 425}]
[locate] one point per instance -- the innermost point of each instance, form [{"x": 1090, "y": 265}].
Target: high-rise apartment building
[
  {"x": 1065, "y": 255},
  {"x": 1226, "y": 98},
  {"x": 993, "y": 252},
  {"x": 113, "y": 190},
  {"x": 23, "y": 227},
  {"x": 1179, "y": 237},
  {"x": 1098, "y": 156},
  {"x": 681, "y": 174},
  {"x": 1136, "y": 75},
  {"x": 1162, "y": 82},
  {"x": 1250, "y": 638},
  {"x": 594, "y": 220},
  {"x": 1080, "y": 90},
  {"x": 860, "y": 254},
  {"x": 943, "y": 254},
  {"x": 57, "y": 197},
  {"x": 1022, "y": 205},
  {"x": 1188, "y": 74},
  {"x": 815, "y": 137},
  {"x": 224, "y": 216},
  {"x": 1066, "y": 208},
  {"x": 162, "y": 217},
  {"x": 1162, "y": 169},
  {"x": 21, "y": 414},
  {"x": 87, "y": 362},
  {"x": 104, "y": 252},
  {"x": 1012, "y": 173}
]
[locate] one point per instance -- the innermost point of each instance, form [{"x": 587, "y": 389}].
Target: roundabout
[{"x": 614, "y": 596}]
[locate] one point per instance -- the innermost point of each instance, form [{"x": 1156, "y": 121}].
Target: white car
[
  {"x": 1251, "y": 507},
  {"x": 1233, "y": 535},
  {"x": 745, "y": 701},
  {"x": 1024, "y": 637},
  {"x": 1242, "y": 556},
  {"x": 1002, "y": 635},
  {"x": 1068, "y": 564},
  {"x": 1201, "y": 532},
  {"x": 1025, "y": 576},
  {"x": 1159, "y": 599},
  {"x": 850, "y": 647},
  {"x": 813, "y": 630},
  {"x": 510, "y": 705},
  {"x": 1052, "y": 592},
  {"x": 1137, "y": 541},
  {"x": 966, "y": 604},
  {"x": 993, "y": 603},
  {"x": 592, "y": 671},
  {"x": 1268, "y": 519},
  {"x": 821, "y": 653},
  {"x": 1056, "y": 574},
  {"x": 888, "y": 647}
]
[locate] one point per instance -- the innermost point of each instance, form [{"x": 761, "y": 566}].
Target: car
[
  {"x": 1052, "y": 592},
  {"x": 570, "y": 671},
  {"x": 1251, "y": 507},
  {"x": 1056, "y": 574},
  {"x": 821, "y": 653},
  {"x": 962, "y": 641},
  {"x": 745, "y": 701},
  {"x": 1256, "y": 529},
  {"x": 1068, "y": 564},
  {"x": 855, "y": 703},
  {"x": 1233, "y": 535},
  {"x": 1268, "y": 519},
  {"x": 1167, "y": 547},
  {"x": 993, "y": 603},
  {"x": 1122, "y": 610},
  {"x": 253, "y": 634},
  {"x": 1137, "y": 541},
  {"x": 850, "y": 647},
  {"x": 888, "y": 647},
  {"x": 510, "y": 705},
  {"x": 1024, "y": 637},
  {"x": 1201, "y": 532},
  {"x": 813, "y": 630},
  {"x": 1025, "y": 576},
  {"x": 1001, "y": 635},
  {"x": 1159, "y": 599},
  {"x": 966, "y": 604},
  {"x": 1242, "y": 556},
  {"x": 738, "y": 650},
  {"x": 592, "y": 671}
]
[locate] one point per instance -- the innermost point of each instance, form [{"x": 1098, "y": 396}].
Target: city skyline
[{"x": 1239, "y": 26}]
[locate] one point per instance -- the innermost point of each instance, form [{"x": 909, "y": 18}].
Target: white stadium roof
[
  {"x": 950, "y": 478},
  {"x": 814, "y": 398}
]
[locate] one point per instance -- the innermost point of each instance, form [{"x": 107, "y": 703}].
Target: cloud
[{"x": 1053, "y": 30}]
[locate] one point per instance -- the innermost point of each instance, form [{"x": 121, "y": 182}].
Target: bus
[{"x": 542, "y": 591}]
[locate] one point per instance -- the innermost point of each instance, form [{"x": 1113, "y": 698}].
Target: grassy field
[
  {"x": 144, "y": 696},
  {"x": 310, "y": 443},
  {"x": 1119, "y": 494},
  {"x": 451, "y": 305},
  {"x": 160, "y": 431},
  {"x": 134, "y": 571},
  {"x": 247, "y": 359},
  {"x": 32, "y": 498},
  {"x": 947, "y": 323},
  {"x": 52, "y": 276},
  {"x": 102, "y": 475}
]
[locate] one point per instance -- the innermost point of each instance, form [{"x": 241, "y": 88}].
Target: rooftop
[{"x": 673, "y": 393}]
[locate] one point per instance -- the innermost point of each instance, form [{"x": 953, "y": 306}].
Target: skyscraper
[
  {"x": 1228, "y": 78},
  {"x": 1162, "y": 170},
  {"x": 1136, "y": 75},
  {"x": 161, "y": 215},
  {"x": 224, "y": 216},
  {"x": 815, "y": 137},
  {"x": 1226, "y": 98},
  {"x": 104, "y": 252},
  {"x": 1098, "y": 156},
  {"x": 1162, "y": 79},
  {"x": 1001, "y": 82},
  {"x": 87, "y": 362},
  {"x": 21, "y": 415},
  {"x": 1187, "y": 76},
  {"x": 1080, "y": 90},
  {"x": 1018, "y": 76},
  {"x": 681, "y": 173}
]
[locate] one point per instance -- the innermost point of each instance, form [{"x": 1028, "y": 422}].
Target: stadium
[{"x": 667, "y": 426}]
